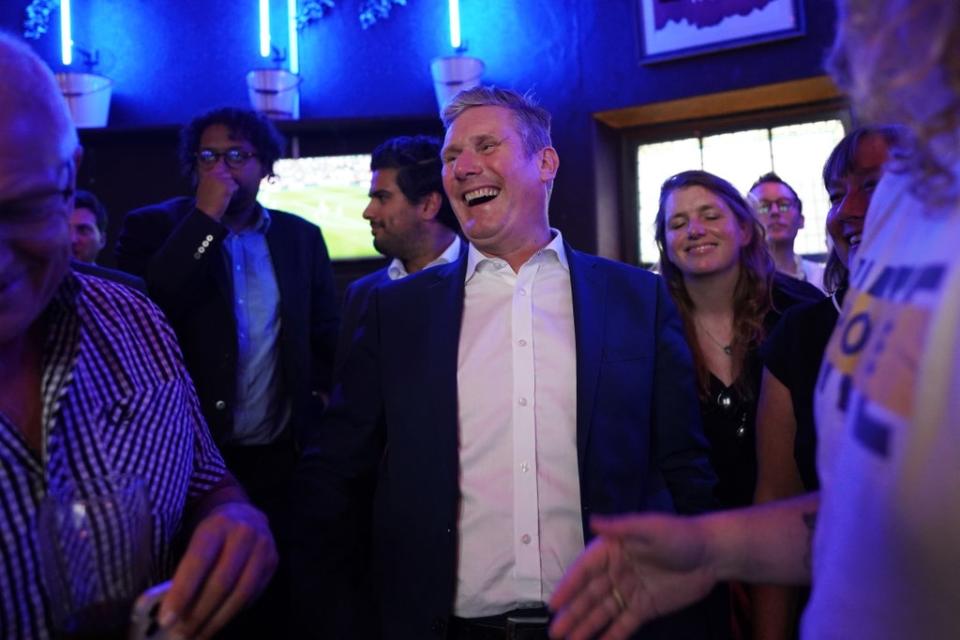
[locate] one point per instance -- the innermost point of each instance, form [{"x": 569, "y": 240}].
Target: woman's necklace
[{"x": 727, "y": 348}]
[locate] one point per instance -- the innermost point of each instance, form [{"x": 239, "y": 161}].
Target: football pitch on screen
[{"x": 337, "y": 210}]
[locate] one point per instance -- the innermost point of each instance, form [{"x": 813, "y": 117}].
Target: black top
[
  {"x": 793, "y": 353},
  {"x": 729, "y": 414}
]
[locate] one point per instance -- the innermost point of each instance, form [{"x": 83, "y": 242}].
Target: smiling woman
[{"x": 720, "y": 273}]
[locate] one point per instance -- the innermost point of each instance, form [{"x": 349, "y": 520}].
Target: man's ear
[
  {"x": 549, "y": 164},
  {"x": 802, "y": 221},
  {"x": 429, "y": 206}
]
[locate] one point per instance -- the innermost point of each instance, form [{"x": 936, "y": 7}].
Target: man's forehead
[
  {"x": 32, "y": 157},
  {"x": 479, "y": 122},
  {"x": 218, "y": 132},
  {"x": 383, "y": 179},
  {"x": 771, "y": 186},
  {"x": 83, "y": 214}
]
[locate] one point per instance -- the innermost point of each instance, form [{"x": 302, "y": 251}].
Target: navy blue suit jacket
[{"x": 390, "y": 436}]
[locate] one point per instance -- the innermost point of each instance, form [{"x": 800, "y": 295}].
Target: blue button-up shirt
[{"x": 260, "y": 413}]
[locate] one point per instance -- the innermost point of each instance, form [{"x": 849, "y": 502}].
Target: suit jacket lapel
[
  {"x": 589, "y": 289},
  {"x": 282, "y": 257},
  {"x": 444, "y": 309}
]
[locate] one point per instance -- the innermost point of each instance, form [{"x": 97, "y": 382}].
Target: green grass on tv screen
[{"x": 330, "y": 192}]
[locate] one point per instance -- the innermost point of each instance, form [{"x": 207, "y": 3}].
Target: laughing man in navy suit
[{"x": 489, "y": 407}]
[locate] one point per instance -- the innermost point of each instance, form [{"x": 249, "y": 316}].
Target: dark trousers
[{"x": 266, "y": 473}]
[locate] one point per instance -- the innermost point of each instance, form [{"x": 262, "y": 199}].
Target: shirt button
[
  {"x": 523, "y": 402},
  {"x": 525, "y": 538},
  {"x": 197, "y": 256},
  {"x": 209, "y": 238},
  {"x": 522, "y": 342},
  {"x": 220, "y": 405},
  {"x": 524, "y": 467},
  {"x": 522, "y": 292},
  {"x": 201, "y": 249}
]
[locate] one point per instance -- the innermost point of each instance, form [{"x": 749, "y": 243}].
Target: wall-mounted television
[{"x": 329, "y": 191}]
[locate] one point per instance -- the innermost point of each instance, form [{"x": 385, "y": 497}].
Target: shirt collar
[
  {"x": 553, "y": 248},
  {"x": 262, "y": 224},
  {"x": 396, "y": 270}
]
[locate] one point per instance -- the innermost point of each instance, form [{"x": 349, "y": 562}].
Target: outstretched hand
[
  {"x": 637, "y": 569},
  {"x": 230, "y": 559}
]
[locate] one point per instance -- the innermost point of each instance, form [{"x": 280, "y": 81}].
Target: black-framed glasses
[
  {"x": 235, "y": 158},
  {"x": 765, "y": 207}
]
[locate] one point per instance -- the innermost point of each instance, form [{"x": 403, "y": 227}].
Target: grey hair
[{"x": 533, "y": 121}]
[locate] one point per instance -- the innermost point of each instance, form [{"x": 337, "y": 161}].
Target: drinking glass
[{"x": 94, "y": 540}]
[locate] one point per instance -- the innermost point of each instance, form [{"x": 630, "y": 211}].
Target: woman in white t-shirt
[{"x": 885, "y": 559}]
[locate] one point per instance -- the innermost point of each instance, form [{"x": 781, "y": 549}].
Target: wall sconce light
[
  {"x": 276, "y": 92},
  {"x": 452, "y": 74}
]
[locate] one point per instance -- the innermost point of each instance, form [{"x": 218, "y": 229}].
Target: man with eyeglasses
[
  {"x": 781, "y": 212},
  {"x": 250, "y": 293},
  {"x": 92, "y": 385}
]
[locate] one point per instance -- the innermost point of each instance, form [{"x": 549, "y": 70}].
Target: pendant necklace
[{"x": 727, "y": 348}]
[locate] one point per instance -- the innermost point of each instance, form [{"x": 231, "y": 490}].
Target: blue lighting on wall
[
  {"x": 66, "y": 34},
  {"x": 292, "y": 32},
  {"x": 265, "y": 28},
  {"x": 455, "y": 41}
]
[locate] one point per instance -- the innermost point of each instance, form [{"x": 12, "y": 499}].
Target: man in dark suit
[
  {"x": 250, "y": 295},
  {"x": 410, "y": 219},
  {"x": 490, "y": 406}
]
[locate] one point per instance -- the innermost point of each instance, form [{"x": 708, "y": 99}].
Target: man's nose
[{"x": 465, "y": 165}]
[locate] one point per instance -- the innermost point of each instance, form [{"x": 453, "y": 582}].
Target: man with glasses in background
[
  {"x": 250, "y": 293},
  {"x": 781, "y": 212}
]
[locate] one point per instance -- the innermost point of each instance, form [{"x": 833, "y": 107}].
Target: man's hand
[
  {"x": 214, "y": 191},
  {"x": 230, "y": 559},
  {"x": 637, "y": 569}
]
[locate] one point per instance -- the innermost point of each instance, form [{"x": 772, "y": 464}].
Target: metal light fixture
[{"x": 455, "y": 73}]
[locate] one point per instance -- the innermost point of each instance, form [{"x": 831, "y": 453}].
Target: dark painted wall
[{"x": 171, "y": 60}]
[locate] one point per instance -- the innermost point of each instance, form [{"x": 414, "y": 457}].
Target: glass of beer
[{"x": 94, "y": 541}]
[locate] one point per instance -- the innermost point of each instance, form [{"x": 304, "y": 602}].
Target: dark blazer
[
  {"x": 355, "y": 302},
  {"x": 391, "y": 437},
  {"x": 178, "y": 250}
]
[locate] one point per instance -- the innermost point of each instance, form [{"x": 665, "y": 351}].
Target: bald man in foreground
[{"x": 94, "y": 388}]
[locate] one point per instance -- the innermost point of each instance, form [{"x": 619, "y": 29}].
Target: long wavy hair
[
  {"x": 753, "y": 294},
  {"x": 900, "y": 62},
  {"x": 837, "y": 167}
]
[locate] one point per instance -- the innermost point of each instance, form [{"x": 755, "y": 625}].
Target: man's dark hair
[
  {"x": 773, "y": 177},
  {"x": 86, "y": 200},
  {"x": 250, "y": 125},
  {"x": 417, "y": 162}
]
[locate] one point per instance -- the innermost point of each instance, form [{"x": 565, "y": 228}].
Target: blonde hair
[{"x": 900, "y": 62}]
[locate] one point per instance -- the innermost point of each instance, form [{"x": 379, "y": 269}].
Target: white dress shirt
[
  {"x": 396, "y": 270},
  {"x": 520, "y": 524}
]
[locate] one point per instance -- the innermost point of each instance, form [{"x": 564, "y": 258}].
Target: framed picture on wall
[{"x": 671, "y": 29}]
